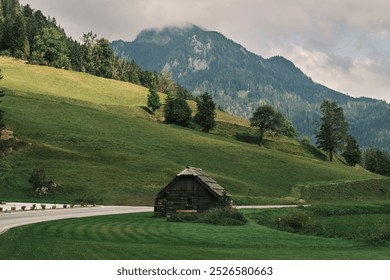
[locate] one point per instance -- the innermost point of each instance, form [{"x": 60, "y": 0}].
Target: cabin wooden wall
[{"x": 188, "y": 187}]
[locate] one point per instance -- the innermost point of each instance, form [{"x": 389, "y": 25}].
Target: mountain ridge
[{"x": 240, "y": 80}]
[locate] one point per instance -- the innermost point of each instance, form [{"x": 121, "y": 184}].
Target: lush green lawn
[{"x": 141, "y": 236}]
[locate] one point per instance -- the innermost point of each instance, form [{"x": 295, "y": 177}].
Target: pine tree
[
  {"x": 333, "y": 130},
  {"x": 153, "y": 98},
  {"x": 377, "y": 161},
  {"x": 352, "y": 153},
  {"x": 1, "y": 111},
  {"x": 205, "y": 116}
]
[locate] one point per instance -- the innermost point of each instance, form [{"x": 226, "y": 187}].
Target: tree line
[
  {"x": 27, "y": 34},
  {"x": 177, "y": 111},
  {"x": 332, "y": 136}
]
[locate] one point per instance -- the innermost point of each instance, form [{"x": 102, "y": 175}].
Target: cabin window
[{"x": 189, "y": 202}]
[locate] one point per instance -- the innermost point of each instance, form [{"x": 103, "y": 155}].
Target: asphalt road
[{"x": 14, "y": 219}]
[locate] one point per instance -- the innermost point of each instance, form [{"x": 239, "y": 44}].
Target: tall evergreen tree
[
  {"x": 333, "y": 130},
  {"x": 153, "y": 98},
  {"x": 352, "y": 153},
  {"x": 13, "y": 32},
  {"x": 377, "y": 161},
  {"x": 205, "y": 116},
  {"x": 1, "y": 110},
  {"x": 15, "y": 36}
]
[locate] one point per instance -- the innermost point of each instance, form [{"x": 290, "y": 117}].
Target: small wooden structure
[{"x": 191, "y": 191}]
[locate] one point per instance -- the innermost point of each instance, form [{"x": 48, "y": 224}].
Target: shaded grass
[
  {"x": 140, "y": 236},
  {"x": 366, "y": 223},
  {"x": 355, "y": 191}
]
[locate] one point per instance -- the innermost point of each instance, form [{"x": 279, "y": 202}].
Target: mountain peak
[{"x": 163, "y": 36}]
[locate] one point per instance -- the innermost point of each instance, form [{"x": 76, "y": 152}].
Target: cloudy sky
[{"x": 343, "y": 44}]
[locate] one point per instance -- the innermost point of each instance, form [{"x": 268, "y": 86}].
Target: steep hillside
[
  {"x": 240, "y": 81},
  {"x": 93, "y": 137}
]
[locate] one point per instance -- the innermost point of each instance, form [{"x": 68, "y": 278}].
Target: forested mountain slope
[{"x": 240, "y": 80}]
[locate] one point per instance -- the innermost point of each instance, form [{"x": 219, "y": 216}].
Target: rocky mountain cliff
[{"x": 240, "y": 80}]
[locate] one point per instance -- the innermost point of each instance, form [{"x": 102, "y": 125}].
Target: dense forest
[{"x": 27, "y": 34}]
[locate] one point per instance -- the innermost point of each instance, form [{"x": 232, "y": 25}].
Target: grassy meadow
[{"x": 94, "y": 138}]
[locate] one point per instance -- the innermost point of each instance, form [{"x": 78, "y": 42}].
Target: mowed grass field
[
  {"x": 94, "y": 138},
  {"x": 141, "y": 236}
]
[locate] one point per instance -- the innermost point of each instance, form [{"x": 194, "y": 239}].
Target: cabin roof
[{"x": 203, "y": 177}]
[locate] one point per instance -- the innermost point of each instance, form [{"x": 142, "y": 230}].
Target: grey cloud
[{"x": 344, "y": 31}]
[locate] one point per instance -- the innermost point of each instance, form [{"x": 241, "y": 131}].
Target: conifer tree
[
  {"x": 153, "y": 98},
  {"x": 205, "y": 116},
  {"x": 352, "y": 153},
  {"x": 1, "y": 110}
]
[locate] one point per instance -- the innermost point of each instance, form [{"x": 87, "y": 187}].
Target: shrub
[
  {"x": 295, "y": 221},
  {"x": 382, "y": 235},
  {"x": 39, "y": 184},
  {"x": 224, "y": 216}
]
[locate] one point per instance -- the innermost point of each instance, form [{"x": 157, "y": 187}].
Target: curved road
[
  {"x": 19, "y": 218},
  {"x": 14, "y": 219}
]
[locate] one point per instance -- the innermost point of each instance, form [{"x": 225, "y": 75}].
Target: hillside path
[{"x": 10, "y": 220}]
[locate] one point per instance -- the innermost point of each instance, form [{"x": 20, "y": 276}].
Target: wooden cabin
[{"x": 191, "y": 191}]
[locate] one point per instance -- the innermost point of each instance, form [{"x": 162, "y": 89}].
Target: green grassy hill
[{"x": 93, "y": 137}]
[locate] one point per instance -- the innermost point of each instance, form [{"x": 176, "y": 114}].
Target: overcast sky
[{"x": 342, "y": 44}]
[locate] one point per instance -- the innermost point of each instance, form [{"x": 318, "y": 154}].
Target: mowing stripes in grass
[{"x": 140, "y": 236}]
